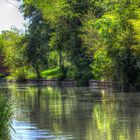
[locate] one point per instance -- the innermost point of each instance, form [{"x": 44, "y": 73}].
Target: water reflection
[{"x": 44, "y": 113}]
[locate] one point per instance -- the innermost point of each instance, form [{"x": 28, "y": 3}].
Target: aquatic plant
[{"x": 6, "y": 113}]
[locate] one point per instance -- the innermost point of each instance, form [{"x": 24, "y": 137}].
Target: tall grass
[{"x": 6, "y": 113}]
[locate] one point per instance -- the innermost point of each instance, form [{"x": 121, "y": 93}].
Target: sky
[{"x": 10, "y": 15}]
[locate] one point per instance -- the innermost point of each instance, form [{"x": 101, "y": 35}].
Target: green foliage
[
  {"x": 12, "y": 49},
  {"x": 20, "y": 74},
  {"x": 6, "y": 114},
  {"x": 1, "y": 75},
  {"x": 36, "y": 38},
  {"x": 102, "y": 65},
  {"x": 85, "y": 38}
]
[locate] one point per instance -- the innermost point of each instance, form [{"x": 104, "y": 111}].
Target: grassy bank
[
  {"x": 25, "y": 73},
  {"x": 54, "y": 73}
]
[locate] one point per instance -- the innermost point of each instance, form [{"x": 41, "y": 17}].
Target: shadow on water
[{"x": 43, "y": 113}]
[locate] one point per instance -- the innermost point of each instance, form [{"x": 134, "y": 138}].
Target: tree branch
[{"x": 12, "y": 4}]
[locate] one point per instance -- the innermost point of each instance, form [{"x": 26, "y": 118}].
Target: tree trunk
[{"x": 37, "y": 72}]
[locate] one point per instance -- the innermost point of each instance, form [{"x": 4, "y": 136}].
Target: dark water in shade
[{"x": 47, "y": 113}]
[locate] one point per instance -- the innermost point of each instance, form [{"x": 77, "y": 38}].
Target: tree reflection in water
[{"x": 77, "y": 113}]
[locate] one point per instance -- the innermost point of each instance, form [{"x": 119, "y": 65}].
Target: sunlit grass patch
[
  {"x": 51, "y": 73},
  {"x": 54, "y": 73}
]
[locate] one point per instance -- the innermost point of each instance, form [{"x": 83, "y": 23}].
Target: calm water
[{"x": 46, "y": 113}]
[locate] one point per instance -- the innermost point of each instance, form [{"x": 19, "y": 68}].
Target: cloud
[{"x": 10, "y": 16}]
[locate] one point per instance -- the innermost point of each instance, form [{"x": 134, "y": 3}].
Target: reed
[{"x": 6, "y": 113}]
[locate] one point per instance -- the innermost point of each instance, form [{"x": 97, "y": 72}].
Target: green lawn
[
  {"x": 54, "y": 73},
  {"x": 51, "y": 73}
]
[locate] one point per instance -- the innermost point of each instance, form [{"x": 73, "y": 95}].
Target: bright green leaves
[
  {"x": 13, "y": 51},
  {"x": 102, "y": 65},
  {"x": 51, "y": 9},
  {"x": 112, "y": 39}
]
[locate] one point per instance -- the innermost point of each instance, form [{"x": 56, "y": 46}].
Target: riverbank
[{"x": 94, "y": 84}]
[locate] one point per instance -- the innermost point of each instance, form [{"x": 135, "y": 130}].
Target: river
[{"x": 53, "y": 113}]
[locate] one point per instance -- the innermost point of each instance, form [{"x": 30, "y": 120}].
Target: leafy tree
[
  {"x": 13, "y": 51},
  {"x": 37, "y": 38},
  {"x": 66, "y": 22},
  {"x": 118, "y": 33}
]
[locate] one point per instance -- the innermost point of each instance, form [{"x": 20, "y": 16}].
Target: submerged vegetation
[
  {"x": 6, "y": 113},
  {"x": 76, "y": 39}
]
